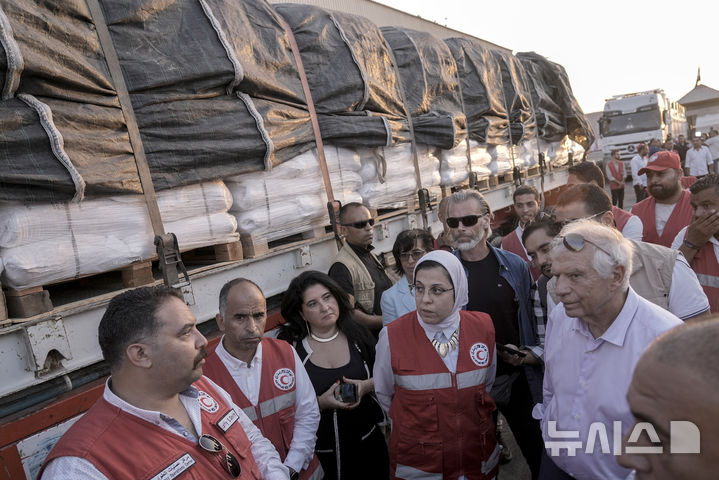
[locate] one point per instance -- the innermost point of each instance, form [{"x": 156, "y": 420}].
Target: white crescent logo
[
  {"x": 207, "y": 403},
  {"x": 479, "y": 354},
  {"x": 284, "y": 379}
]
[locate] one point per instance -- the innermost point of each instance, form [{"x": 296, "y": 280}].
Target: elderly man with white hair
[{"x": 594, "y": 339}]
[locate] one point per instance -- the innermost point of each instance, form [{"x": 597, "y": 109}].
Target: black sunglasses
[
  {"x": 575, "y": 242},
  {"x": 467, "y": 221},
  {"x": 360, "y": 224},
  {"x": 230, "y": 463}
]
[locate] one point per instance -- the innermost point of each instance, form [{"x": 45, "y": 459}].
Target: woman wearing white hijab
[{"x": 433, "y": 371}]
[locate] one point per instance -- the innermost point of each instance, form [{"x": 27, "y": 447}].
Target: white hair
[{"x": 619, "y": 250}]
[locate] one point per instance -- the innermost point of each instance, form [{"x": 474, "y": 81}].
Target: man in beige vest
[
  {"x": 356, "y": 269},
  {"x": 659, "y": 274}
]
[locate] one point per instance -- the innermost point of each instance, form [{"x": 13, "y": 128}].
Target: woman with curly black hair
[{"x": 338, "y": 354}]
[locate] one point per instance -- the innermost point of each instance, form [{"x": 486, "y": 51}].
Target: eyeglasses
[
  {"x": 361, "y": 224},
  {"x": 230, "y": 463},
  {"x": 418, "y": 291},
  {"x": 415, "y": 254},
  {"x": 575, "y": 242},
  {"x": 467, "y": 220}
]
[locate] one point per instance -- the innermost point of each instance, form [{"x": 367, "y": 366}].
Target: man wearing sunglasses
[
  {"x": 526, "y": 206},
  {"x": 356, "y": 269},
  {"x": 499, "y": 285},
  {"x": 659, "y": 274},
  {"x": 266, "y": 378},
  {"x": 594, "y": 339},
  {"x": 158, "y": 416},
  {"x": 587, "y": 172}
]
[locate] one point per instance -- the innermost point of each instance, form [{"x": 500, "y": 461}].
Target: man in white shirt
[
  {"x": 158, "y": 416},
  {"x": 713, "y": 144},
  {"x": 699, "y": 241},
  {"x": 265, "y": 378},
  {"x": 594, "y": 338},
  {"x": 699, "y": 159},
  {"x": 639, "y": 182}
]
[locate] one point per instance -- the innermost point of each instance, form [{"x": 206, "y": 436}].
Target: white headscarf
[{"x": 459, "y": 281}]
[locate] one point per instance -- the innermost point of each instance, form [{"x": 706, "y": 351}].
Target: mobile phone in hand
[
  {"x": 513, "y": 351},
  {"x": 346, "y": 392}
]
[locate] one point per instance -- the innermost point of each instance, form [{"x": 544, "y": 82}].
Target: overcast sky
[{"x": 608, "y": 48}]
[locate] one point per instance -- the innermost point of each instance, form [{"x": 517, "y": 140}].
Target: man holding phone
[
  {"x": 265, "y": 378},
  {"x": 499, "y": 285}
]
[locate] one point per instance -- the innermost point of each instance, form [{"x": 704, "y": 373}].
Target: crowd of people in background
[{"x": 560, "y": 325}]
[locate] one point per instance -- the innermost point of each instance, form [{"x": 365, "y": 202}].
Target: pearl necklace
[{"x": 325, "y": 340}]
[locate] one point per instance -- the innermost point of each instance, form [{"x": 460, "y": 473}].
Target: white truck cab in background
[{"x": 633, "y": 118}]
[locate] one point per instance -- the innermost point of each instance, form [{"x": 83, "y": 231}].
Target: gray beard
[{"x": 467, "y": 245}]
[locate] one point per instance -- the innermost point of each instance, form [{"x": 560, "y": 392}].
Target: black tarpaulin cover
[
  {"x": 429, "y": 77},
  {"x": 558, "y": 112},
  {"x": 349, "y": 70},
  {"x": 517, "y": 96},
  {"x": 213, "y": 84},
  {"x": 481, "y": 84}
]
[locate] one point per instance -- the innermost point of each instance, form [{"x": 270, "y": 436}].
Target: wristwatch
[{"x": 293, "y": 475}]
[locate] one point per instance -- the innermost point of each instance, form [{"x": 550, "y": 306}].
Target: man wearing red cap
[
  {"x": 639, "y": 182},
  {"x": 668, "y": 209}
]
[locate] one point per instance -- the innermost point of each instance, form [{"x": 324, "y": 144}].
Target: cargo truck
[{"x": 51, "y": 364}]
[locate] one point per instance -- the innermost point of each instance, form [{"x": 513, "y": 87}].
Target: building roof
[{"x": 700, "y": 93}]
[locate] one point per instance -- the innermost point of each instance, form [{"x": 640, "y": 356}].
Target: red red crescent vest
[
  {"x": 681, "y": 217},
  {"x": 274, "y": 414},
  {"x": 621, "y": 217},
  {"x": 121, "y": 445},
  {"x": 706, "y": 267},
  {"x": 512, "y": 243},
  {"x": 618, "y": 172},
  {"x": 442, "y": 424}
]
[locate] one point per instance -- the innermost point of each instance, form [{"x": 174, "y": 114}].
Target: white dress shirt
[
  {"x": 633, "y": 229},
  {"x": 713, "y": 145},
  {"x": 266, "y": 457},
  {"x": 307, "y": 412},
  {"x": 586, "y": 381},
  {"x": 697, "y": 160},
  {"x": 637, "y": 163}
]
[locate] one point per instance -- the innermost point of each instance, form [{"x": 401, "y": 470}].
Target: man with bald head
[
  {"x": 677, "y": 380},
  {"x": 265, "y": 378}
]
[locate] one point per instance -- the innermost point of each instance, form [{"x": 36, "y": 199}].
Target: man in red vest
[
  {"x": 667, "y": 210},
  {"x": 158, "y": 416},
  {"x": 526, "y": 206},
  {"x": 699, "y": 241},
  {"x": 588, "y": 172},
  {"x": 265, "y": 378}
]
